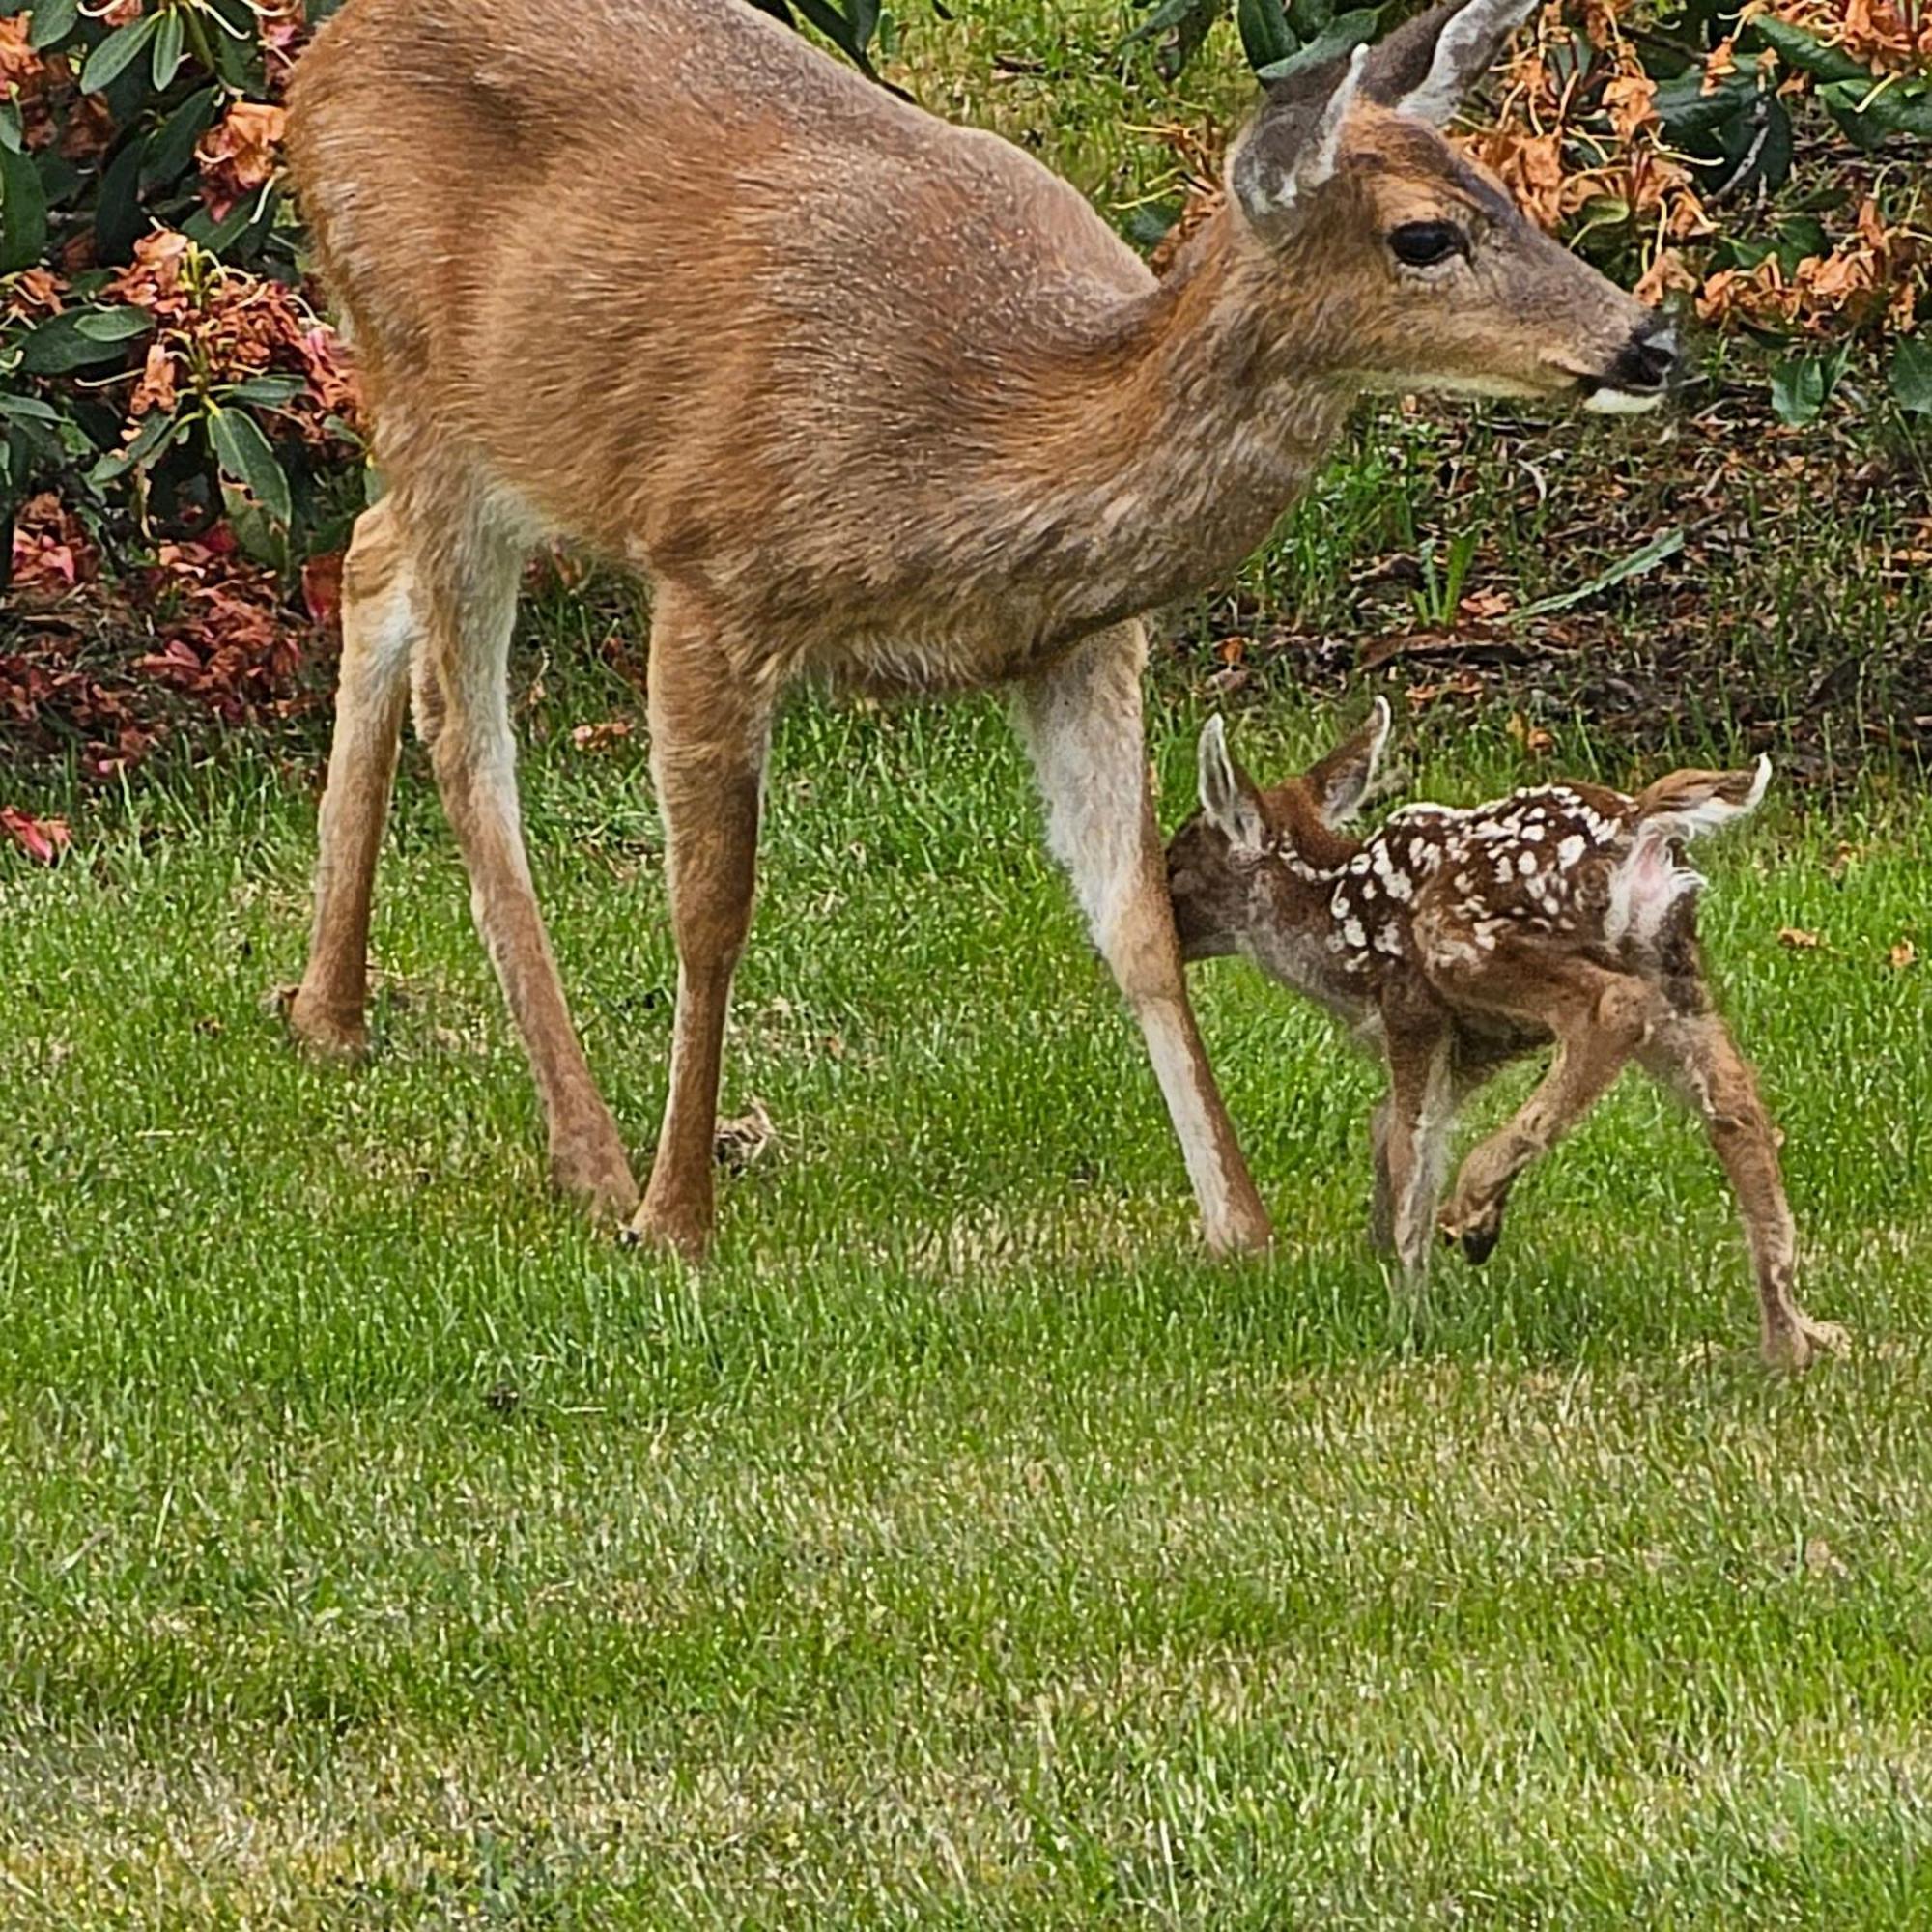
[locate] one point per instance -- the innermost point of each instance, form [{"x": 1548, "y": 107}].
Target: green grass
[{"x": 381, "y": 1546}]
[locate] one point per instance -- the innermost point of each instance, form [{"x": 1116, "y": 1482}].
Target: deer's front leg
[
  {"x": 1081, "y": 724},
  {"x": 1696, "y": 1056},
  {"x": 708, "y": 741}
]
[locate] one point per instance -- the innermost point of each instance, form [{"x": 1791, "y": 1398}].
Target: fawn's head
[
  {"x": 1252, "y": 865},
  {"x": 1415, "y": 266}
]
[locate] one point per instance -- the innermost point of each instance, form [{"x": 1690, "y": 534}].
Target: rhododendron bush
[{"x": 180, "y": 457}]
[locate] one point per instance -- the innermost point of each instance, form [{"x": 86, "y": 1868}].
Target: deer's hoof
[
  {"x": 333, "y": 1032},
  {"x": 669, "y": 1228},
  {"x": 1793, "y": 1346},
  {"x": 1250, "y": 1233},
  {"x": 594, "y": 1173}
]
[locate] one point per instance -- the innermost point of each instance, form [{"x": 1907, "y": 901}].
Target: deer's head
[
  {"x": 1253, "y": 869},
  {"x": 1418, "y": 269}
]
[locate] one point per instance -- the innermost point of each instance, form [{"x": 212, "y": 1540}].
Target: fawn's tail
[{"x": 1684, "y": 804}]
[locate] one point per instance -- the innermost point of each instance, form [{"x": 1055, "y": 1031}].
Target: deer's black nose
[{"x": 1649, "y": 360}]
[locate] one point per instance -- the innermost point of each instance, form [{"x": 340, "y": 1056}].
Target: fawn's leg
[
  {"x": 708, "y": 742},
  {"x": 1418, "y": 1116},
  {"x": 1696, "y": 1056},
  {"x": 1080, "y": 721},
  {"x": 465, "y": 598},
  {"x": 1599, "y": 1019},
  {"x": 378, "y": 635},
  {"x": 1467, "y": 1075}
]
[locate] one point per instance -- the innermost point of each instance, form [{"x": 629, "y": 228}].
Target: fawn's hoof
[
  {"x": 593, "y": 1172},
  {"x": 1476, "y": 1234},
  {"x": 329, "y": 1032},
  {"x": 1794, "y": 1346},
  {"x": 1480, "y": 1244}
]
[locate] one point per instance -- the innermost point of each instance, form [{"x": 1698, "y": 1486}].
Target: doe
[
  {"x": 1458, "y": 941},
  {"x": 870, "y": 398}
]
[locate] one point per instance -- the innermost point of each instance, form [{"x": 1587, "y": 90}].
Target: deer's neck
[{"x": 1175, "y": 436}]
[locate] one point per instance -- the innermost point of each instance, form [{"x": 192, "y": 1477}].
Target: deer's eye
[{"x": 1421, "y": 244}]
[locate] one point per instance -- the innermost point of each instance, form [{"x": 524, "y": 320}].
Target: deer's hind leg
[
  {"x": 708, "y": 740},
  {"x": 1081, "y": 724},
  {"x": 379, "y": 633},
  {"x": 466, "y": 581},
  {"x": 1695, "y": 1056}
]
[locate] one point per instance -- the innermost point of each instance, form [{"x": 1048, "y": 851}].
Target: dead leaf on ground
[
  {"x": 1902, "y": 955},
  {"x": 1798, "y": 939},
  {"x": 740, "y": 1142},
  {"x": 600, "y": 737},
  {"x": 42, "y": 839}
]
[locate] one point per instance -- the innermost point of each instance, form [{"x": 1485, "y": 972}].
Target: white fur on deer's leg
[
  {"x": 378, "y": 631},
  {"x": 1081, "y": 724}
]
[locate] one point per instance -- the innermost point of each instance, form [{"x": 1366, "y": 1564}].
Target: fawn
[
  {"x": 867, "y": 396},
  {"x": 1458, "y": 941}
]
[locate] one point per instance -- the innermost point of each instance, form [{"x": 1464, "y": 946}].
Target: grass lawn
[{"x": 383, "y": 1548}]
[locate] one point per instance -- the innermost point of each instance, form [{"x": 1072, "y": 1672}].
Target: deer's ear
[
  {"x": 1289, "y": 149},
  {"x": 1342, "y": 779},
  {"x": 1228, "y": 795},
  {"x": 1429, "y": 63}
]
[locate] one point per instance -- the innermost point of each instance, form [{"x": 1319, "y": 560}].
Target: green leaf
[
  {"x": 113, "y": 325},
  {"x": 168, "y": 44},
  {"x": 1267, "y": 38},
  {"x": 23, "y": 213},
  {"x": 1863, "y": 108},
  {"x": 269, "y": 392},
  {"x": 1343, "y": 34},
  {"x": 116, "y": 51},
  {"x": 1171, "y": 14},
  {"x": 1912, "y": 375},
  {"x": 156, "y": 431},
  {"x": 62, "y": 344},
  {"x": 53, "y": 21},
  {"x": 1797, "y": 389},
  {"x": 1636, "y": 564},
  {"x": 117, "y": 219},
  {"x": 12, "y": 136},
  {"x": 1309, "y": 16},
  {"x": 838, "y": 29},
  {"x": 243, "y": 453},
  {"x": 171, "y": 146},
  {"x": 28, "y": 408},
  {"x": 1806, "y": 50}
]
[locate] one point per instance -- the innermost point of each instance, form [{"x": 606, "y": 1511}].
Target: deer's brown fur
[
  {"x": 867, "y": 395},
  {"x": 1457, "y": 941}
]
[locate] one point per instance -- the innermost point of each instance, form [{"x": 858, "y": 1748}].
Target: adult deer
[
  {"x": 1461, "y": 941},
  {"x": 865, "y": 395}
]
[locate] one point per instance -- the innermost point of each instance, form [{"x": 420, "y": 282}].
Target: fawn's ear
[
  {"x": 1228, "y": 795},
  {"x": 1342, "y": 779}
]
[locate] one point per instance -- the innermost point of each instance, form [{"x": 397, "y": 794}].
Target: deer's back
[{"x": 686, "y": 280}]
